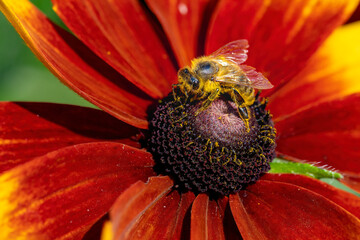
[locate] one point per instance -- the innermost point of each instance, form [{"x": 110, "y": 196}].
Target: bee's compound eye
[
  {"x": 184, "y": 73},
  {"x": 206, "y": 69},
  {"x": 194, "y": 82}
]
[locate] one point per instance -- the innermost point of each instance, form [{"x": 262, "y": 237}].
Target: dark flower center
[{"x": 213, "y": 151}]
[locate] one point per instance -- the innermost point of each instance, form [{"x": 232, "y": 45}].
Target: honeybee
[{"x": 222, "y": 73}]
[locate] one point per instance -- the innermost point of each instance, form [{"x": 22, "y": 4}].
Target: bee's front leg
[
  {"x": 177, "y": 98},
  {"x": 211, "y": 97}
]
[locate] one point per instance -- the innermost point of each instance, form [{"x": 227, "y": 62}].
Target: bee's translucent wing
[
  {"x": 257, "y": 80},
  {"x": 233, "y": 78},
  {"x": 235, "y": 51},
  {"x": 248, "y": 77}
]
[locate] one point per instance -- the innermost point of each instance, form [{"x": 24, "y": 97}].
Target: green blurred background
[{"x": 22, "y": 75}]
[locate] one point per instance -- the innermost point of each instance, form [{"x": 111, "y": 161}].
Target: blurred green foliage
[{"x": 22, "y": 76}]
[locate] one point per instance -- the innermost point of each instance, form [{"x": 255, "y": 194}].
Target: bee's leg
[
  {"x": 258, "y": 94},
  {"x": 244, "y": 114},
  {"x": 177, "y": 98},
  {"x": 186, "y": 95},
  {"x": 242, "y": 109},
  {"x": 211, "y": 97}
]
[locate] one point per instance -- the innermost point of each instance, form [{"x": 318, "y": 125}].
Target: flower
[{"x": 63, "y": 167}]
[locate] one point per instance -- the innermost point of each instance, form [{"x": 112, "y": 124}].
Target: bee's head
[{"x": 187, "y": 77}]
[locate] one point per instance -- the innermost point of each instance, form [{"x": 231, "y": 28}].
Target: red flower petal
[
  {"x": 282, "y": 34},
  {"x": 331, "y": 73},
  {"x": 328, "y": 133},
  {"x": 348, "y": 201},
  {"x": 121, "y": 33},
  {"x": 76, "y": 65},
  {"x": 274, "y": 210},
  {"x": 61, "y": 194},
  {"x": 207, "y": 219},
  {"x": 230, "y": 229},
  {"x": 150, "y": 211},
  {"x": 182, "y": 22},
  {"x": 28, "y": 130}
]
